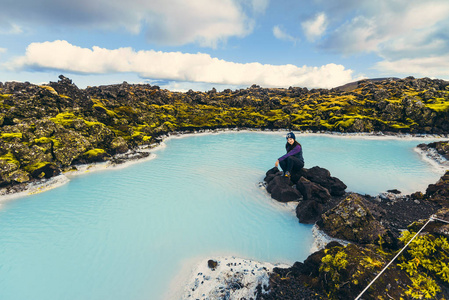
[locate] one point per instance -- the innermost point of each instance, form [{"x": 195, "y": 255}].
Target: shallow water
[{"x": 126, "y": 234}]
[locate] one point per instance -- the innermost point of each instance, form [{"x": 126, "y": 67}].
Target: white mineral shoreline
[
  {"x": 233, "y": 277},
  {"x": 47, "y": 184}
]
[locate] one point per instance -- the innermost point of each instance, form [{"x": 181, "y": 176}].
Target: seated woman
[{"x": 293, "y": 159}]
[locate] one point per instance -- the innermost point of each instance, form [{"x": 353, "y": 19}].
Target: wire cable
[{"x": 399, "y": 253}]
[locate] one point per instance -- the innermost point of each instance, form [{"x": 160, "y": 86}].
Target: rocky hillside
[{"x": 46, "y": 129}]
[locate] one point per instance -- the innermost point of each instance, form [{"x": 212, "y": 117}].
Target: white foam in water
[
  {"x": 151, "y": 226},
  {"x": 232, "y": 278},
  {"x": 432, "y": 157}
]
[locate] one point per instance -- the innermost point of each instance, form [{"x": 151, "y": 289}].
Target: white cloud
[
  {"x": 436, "y": 66},
  {"x": 170, "y": 22},
  {"x": 8, "y": 28},
  {"x": 280, "y": 34},
  {"x": 315, "y": 27},
  {"x": 177, "y": 66},
  {"x": 378, "y": 24},
  {"x": 362, "y": 38},
  {"x": 406, "y": 34},
  {"x": 3, "y": 50},
  {"x": 207, "y": 22}
]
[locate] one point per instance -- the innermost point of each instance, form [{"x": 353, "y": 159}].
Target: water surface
[{"x": 126, "y": 234}]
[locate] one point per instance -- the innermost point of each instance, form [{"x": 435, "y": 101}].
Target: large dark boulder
[
  {"x": 45, "y": 170},
  {"x": 271, "y": 173},
  {"x": 314, "y": 196},
  {"x": 323, "y": 177},
  {"x": 312, "y": 186},
  {"x": 281, "y": 190},
  {"x": 440, "y": 190},
  {"x": 352, "y": 220},
  {"x": 308, "y": 212},
  {"x": 312, "y": 191}
]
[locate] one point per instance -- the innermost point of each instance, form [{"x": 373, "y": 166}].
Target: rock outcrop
[
  {"x": 441, "y": 147},
  {"x": 440, "y": 190},
  {"x": 280, "y": 187},
  {"x": 314, "y": 188},
  {"x": 353, "y": 220},
  {"x": 377, "y": 228}
]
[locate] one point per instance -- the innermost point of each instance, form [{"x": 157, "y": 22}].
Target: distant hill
[{"x": 353, "y": 85}]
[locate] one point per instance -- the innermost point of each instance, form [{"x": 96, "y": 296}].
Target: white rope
[
  {"x": 375, "y": 278},
  {"x": 433, "y": 217}
]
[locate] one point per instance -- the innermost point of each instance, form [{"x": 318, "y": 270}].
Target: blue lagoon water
[{"x": 127, "y": 233}]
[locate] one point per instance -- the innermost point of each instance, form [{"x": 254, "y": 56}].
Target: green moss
[
  {"x": 325, "y": 124},
  {"x": 301, "y": 117},
  {"x": 43, "y": 140},
  {"x": 136, "y": 133},
  {"x": 333, "y": 264},
  {"x": 10, "y": 158},
  {"x": 438, "y": 105},
  {"x": 46, "y": 140},
  {"x": 125, "y": 110},
  {"x": 49, "y": 88},
  {"x": 426, "y": 261},
  {"x": 35, "y": 166},
  {"x": 64, "y": 119},
  {"x": 90, "y": 123},
  {"x": 94, "y": 153},
  {"x": 346, "y": 122},
  {"x": 99, "y": 104},
  {"x": 11, "y": 135},
  {"x": 5, "y": 96},
  {"x": 400, "y": 126}
]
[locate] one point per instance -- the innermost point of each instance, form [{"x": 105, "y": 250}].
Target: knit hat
[{"x": 290, "y": 135}]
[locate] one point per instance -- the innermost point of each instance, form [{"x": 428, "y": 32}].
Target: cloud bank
[
  {"x": 168, "y": 22},
  {"x": 177, "y": 66},
  {"x": 404, "y": 33}
]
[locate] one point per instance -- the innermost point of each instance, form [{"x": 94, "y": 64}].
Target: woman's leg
[
  {"x": 297, "y": 164},
  {"x": 293, "y": 163},
  {"x": 283, "y": 165},
  {"x": 290, "y": 163}
]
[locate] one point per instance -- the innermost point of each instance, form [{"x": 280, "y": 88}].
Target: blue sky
[{"x": 200, "y": 44}]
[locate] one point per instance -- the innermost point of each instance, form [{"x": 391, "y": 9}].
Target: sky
[{"x": 201, "y": 44}]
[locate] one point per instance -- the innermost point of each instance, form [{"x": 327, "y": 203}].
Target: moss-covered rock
[
  {"x": 352, "y": 220},
  {"x": 95, "y": 155},
  {"x": 340, "y": 272},
  {"x": 43, "y": 170},
  {"x": 118, "y": 145}
]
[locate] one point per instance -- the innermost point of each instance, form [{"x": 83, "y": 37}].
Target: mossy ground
[{"x": 56, "y": 118}]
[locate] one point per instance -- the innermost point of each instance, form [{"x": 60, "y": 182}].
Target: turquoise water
[{"x": 125, "y": 234}]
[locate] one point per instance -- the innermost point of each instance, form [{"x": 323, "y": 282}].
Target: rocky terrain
[
  {"x": 47, "y": 129},
  {"x": 377, "y": 228}
]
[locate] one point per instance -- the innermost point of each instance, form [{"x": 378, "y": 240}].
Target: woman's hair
[{"x": 290, "y": 147}]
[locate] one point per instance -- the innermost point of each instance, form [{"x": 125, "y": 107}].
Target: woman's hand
[{"x": 276, "y": 164}]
